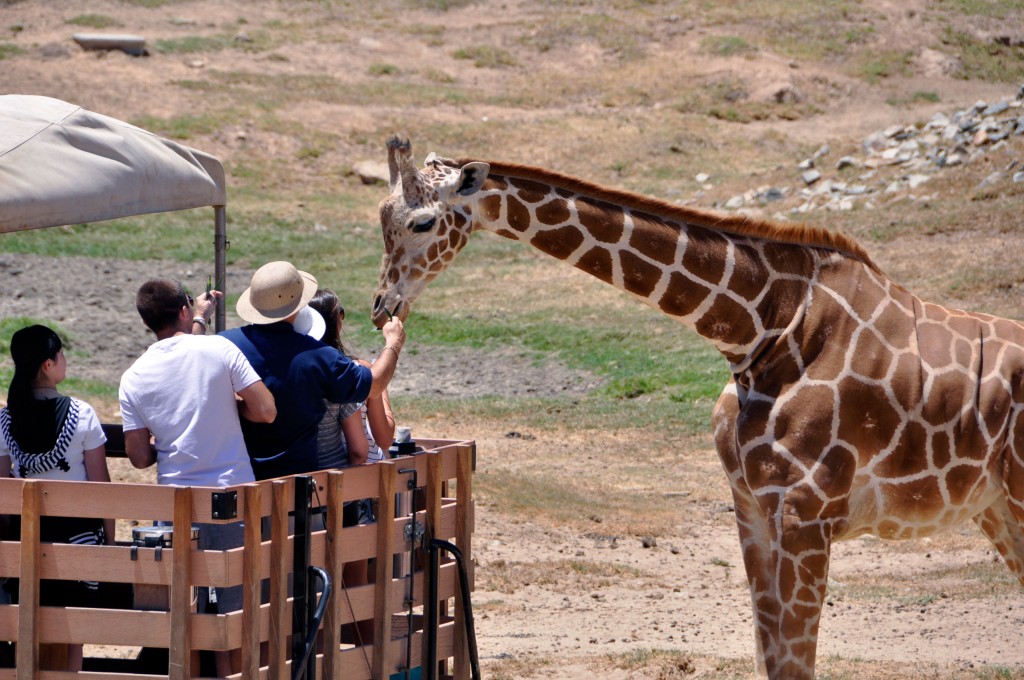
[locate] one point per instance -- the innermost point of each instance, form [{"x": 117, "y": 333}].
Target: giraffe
[{"x": 853, "y": 406}]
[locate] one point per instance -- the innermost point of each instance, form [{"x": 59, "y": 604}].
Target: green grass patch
[
  {"x": 383, "y": 70},
  {"x": 486, "y": 56},
  {"x": 985, "y": 60},
  {"x": 605, "y": 30},
  {"x": 726, "y": 46},
  {"x": 918, "y": 97},
  {"x": 268, "y": 92},
  {"x": 182, "y": 127},
  {"x": 93, "y": 21},
  {"x": 875, "y": 66},
  {"x": 728, "y": 99},
  {"x": 9, "y": 50},
  {"x": 679, "y": 664},
  {"x": 192, "y": 44}
]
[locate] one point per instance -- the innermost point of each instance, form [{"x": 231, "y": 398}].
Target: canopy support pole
[{"x": 220, "y": 249}]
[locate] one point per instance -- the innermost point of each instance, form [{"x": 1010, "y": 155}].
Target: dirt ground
[{"x": 685, "y": 592}]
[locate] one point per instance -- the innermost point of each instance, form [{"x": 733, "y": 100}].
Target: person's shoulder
[{"x": 84, "y": 407}]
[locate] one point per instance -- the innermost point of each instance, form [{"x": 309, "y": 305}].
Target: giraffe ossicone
[{"x": 853, "y": 408}]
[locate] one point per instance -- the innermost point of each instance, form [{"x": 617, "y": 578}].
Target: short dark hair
[{"x": 159, "y": 302}]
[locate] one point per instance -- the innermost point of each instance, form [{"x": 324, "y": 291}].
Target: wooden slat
[
  {"x": 28, "y": 593},
  {"x": 335, "y": 565},
  {"x": 251, "y": 583},
  {"x": 10, "y": 556},
  {"x": 279, "y": 622},
  {"x": 180, "y": 657},
  {"x": 385, "y": 548},
  {"x": 105, "y": 627},
  {"x": 463, "y": 537},
  {"x": 64, "y": 675}
]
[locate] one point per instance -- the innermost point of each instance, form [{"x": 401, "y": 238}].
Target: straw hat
[{"x": 277, "y": 291}]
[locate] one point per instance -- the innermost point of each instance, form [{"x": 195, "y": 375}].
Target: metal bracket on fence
[
  {"x": 414, "y": 533},
  {"x": 224, "y": 505}
]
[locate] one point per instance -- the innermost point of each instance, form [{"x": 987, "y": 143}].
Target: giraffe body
[{"x": 853, "y": 408}]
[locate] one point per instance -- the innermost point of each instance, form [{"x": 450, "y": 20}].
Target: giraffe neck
[{"x": 735, "y": 287}]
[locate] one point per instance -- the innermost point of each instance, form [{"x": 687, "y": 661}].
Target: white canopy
[{"x": 61, "y": 164}]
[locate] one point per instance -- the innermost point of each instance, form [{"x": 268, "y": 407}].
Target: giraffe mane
[{"x": 736, "y": 225}]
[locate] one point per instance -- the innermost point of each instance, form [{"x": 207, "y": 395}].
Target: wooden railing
[{"x": 257, "y": 637}]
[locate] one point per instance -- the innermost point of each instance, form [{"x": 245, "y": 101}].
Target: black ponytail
[{"x": 30, "y": 348}]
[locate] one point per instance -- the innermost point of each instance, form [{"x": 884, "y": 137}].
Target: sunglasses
[
  {"x": 341, "y": 312},
  {"x": 191, "y": 300}
]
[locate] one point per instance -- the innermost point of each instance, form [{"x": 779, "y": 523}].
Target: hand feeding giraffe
[{"x": 854, "y": 407}]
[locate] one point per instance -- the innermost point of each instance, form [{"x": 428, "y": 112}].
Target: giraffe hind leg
[{"x": 1006, "y": 533}]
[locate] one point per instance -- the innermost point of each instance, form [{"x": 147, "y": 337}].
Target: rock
[
  {"x": 914, "y": 181},
  {"x": 993, "y": 178},
  {"x": 810, "y": 177},
  {"x": 995, "y": 109},
  {"x": 734, "y": 202},
  {"x": 771, "y": 195},
  {"x": 846, "y": 162},
  {"x": 806, "y": 164},
  {"x": 372, "y": 172},
  {"x": 1018, "y": 176},
  {"x": 702, "y": 177},
  {"x": 134, "y": 45}
]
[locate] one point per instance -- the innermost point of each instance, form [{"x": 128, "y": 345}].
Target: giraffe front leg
[
  {"x": 801, "y": 559},
  {"x": 786, "y": 561}
]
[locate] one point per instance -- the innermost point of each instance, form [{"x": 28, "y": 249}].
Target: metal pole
[
  {"x": 300, "y": 562},
  {"x": 474, "y": 661},
  {"x": 430, "y": 625},
  {"x": 220, "y": 248}
]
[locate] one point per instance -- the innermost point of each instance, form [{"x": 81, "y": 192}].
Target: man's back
[
  {"x": 301, "y": 373},
  {"x": 183, "y": 391}
]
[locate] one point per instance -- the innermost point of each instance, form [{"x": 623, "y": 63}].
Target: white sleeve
[
  {"x": 130, "y": 420},
  {"x": 89, "y": 425}
]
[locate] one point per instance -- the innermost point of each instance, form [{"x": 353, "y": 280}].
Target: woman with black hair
[{"x": 47, "y": 435}]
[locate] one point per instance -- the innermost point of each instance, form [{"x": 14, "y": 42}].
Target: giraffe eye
[{"x": 424, "y": 226}]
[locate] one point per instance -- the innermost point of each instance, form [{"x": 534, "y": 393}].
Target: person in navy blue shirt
[{"x": 299, "y": 371}]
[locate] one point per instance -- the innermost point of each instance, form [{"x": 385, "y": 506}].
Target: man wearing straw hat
[{"x": 300, "y": 372}]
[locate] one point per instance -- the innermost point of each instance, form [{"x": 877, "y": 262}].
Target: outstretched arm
[{"x": 384, "y": 367}]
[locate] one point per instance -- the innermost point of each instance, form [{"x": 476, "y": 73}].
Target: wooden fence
[{"x": 257, "y": 637}]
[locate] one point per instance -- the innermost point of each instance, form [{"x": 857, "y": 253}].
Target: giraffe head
[{"x": 426, "y": 220}]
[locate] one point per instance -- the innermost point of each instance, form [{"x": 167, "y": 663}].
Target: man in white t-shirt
[
  {"x": 187, "y": 391},
  {"x": 182, "y": 392}
]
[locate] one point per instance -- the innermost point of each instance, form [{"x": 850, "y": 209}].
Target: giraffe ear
[{"x": 472, "y": 177}]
